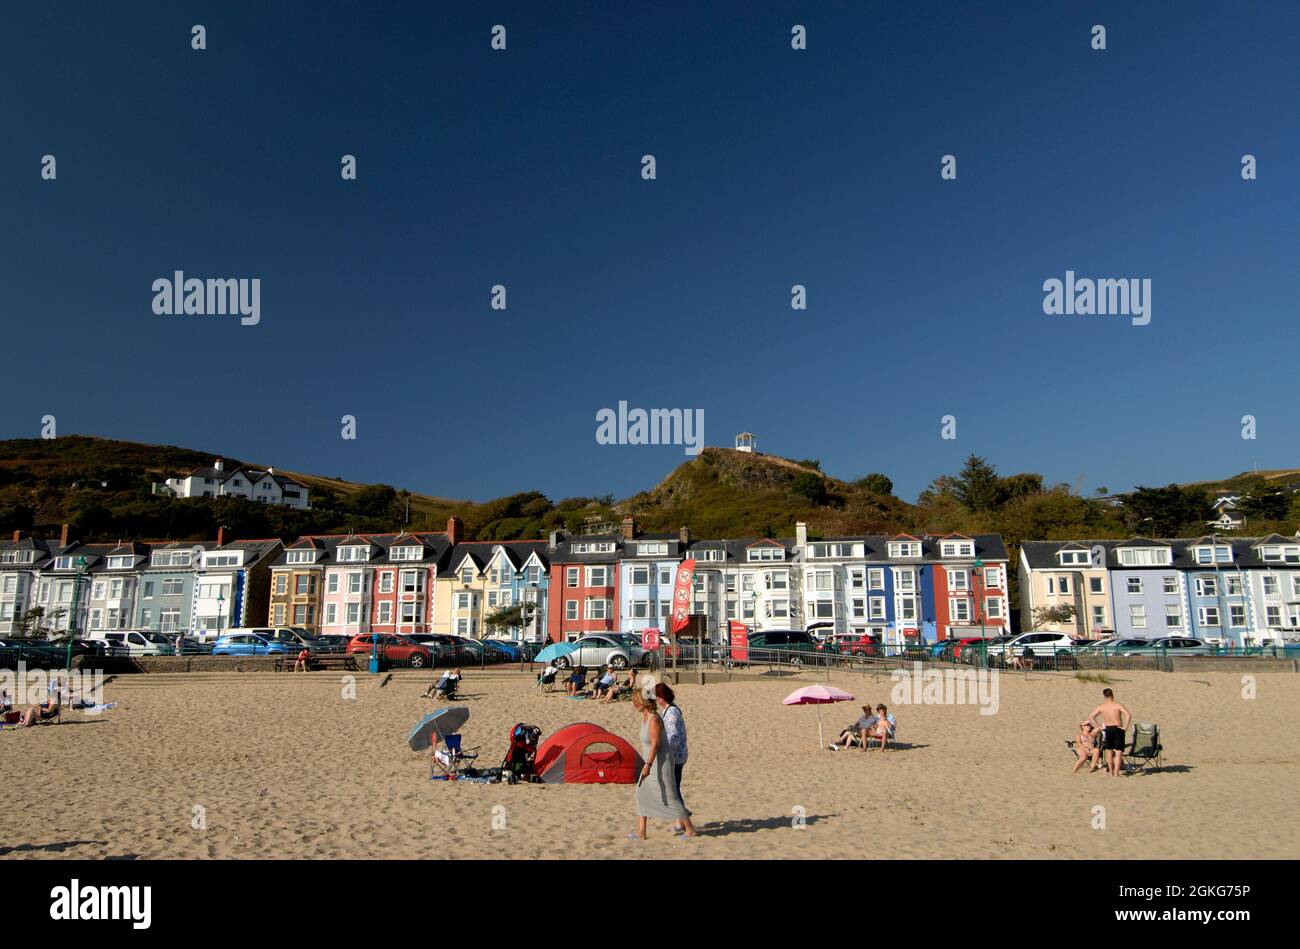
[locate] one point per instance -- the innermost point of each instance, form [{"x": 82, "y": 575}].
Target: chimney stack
[
  {"x": 219, "y": 464},
  {"x": 800, "y": 534},
  {"x": 63, "y": 537},
  {"x": 554, "y": 540},
  {"x": 684, "y": 535},
  {"x": 221, "y": 536},
  {"x": 629, "y": 527},
  {"x": 455, "y": 530},
  {"x": 18, "y": 535}
]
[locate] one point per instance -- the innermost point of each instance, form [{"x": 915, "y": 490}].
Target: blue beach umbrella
[
  {"x": 555, "y": 651},
  {"x": 439, "y": 724}
]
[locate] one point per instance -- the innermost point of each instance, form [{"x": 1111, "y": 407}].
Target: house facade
[{"x": 253, "y": 484}]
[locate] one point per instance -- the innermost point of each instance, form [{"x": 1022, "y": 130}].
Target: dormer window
[
  {"x": 957, "y": 548},
  {"x": 1276, "y": 553},
  {"x": 300, "y": 556},
  {"x": 702, "y": 556},
  {"x": 467, "y": 575},
  {"x": 1216, "y": 553},
  {"x": 171, "y": 558},
  {"x": 602, "y": 547},
  {"x": 1145, "y": 556},
  {"x": 904, "y": 548},
  {"x": 830, "y": 551},
  {"x": 120, "y": 563},
  {"x": 354, "y": 553},
  {"x": 655, "y": 548},
  {"x": 759, "y": 554},
  {"x": 1074, "y": 558},
  {"x": 16, "y": 556},
  {"x": 404, "y": 553}
]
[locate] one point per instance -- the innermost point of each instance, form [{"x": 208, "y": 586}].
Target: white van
[{"x": 138, "y": 642}]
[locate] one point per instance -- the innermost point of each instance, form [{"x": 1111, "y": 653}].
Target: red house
[
  {"x": 584, "y": 586},
  {"x": 970, "y": 585}
]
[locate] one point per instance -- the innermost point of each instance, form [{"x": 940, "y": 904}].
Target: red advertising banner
[
  {"x": 682, "y": 595},
  {"x": 650, "y": 639},
  {"x": 739, "y": 634}
]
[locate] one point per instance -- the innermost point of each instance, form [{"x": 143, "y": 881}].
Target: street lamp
[
  {"x": 221, "y": 602},
  {"x": 76, "y": 600}
]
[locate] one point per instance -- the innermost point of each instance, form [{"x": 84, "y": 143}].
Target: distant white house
[
  {"x": 747, "y": 441},
  {"x": 262, "y": 487}
]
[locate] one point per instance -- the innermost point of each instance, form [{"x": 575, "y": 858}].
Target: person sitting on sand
[
  {"x": 575, "y": 683},
  {"x": 1023, "y": 661},
  {"x": 882, "y": 728},
  {"x": 853, "y": 734},
  {"x": 1086, "y": 747},
  {"x": 607, "y": 685},
  {"x": 35, "y": 713}
]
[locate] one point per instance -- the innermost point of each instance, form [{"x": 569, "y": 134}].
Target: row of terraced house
[
  {"x": 901, "y": 588},
  {"x": 1239, "y": 590}
]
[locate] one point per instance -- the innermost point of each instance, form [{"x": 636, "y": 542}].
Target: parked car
[
  {"x": 969, "y": 649},
  {"x": 446, "y": 651},
  {"x": 1041, "y": 643},
  {"x": 858, "y": 644},
  {"x": 781, "y": 646},
  {"x": 295, "y": 637},
  {"x": 1182, "y": 646},
  {"x": 602, "y": 650},
  {"x": 138, "y": 642},
  {"x": 393, "y": 646},
  {"x": 193, "y": 646},
  {"x": 336, "y": 643},
  {"x": 498, "y": 651},
  {"x": 84, "y": 647},
  {"x": 249, "y": 644},
  {"x": 513, "y": 650},
  {"x": 1117, "y": 647}
]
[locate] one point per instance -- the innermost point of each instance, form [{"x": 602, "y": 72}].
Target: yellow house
[{"x": 1066, "y": 573}]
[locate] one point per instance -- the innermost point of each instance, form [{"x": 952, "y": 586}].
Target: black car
[{"x": 783, "y": 646}]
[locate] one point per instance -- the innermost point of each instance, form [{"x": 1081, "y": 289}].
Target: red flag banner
[
  {"x": 682, "y": 591},
  {"x": 739, "y": 634}
]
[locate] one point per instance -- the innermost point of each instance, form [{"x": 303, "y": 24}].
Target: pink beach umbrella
[{"x": 817, "y": 695}]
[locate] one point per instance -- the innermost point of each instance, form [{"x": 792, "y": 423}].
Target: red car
[
  {"x": 858, "y": 644},
  {"x": 393, "y": 646}
]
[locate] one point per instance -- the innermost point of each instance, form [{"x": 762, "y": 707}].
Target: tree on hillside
[
  {"x": 876, "y": 483},
  {"x": 1266, "y": 501},
  {"x": 1167, "y": 511},
  {"x": 1019, "y": 486},
  {"x": 810, "y": 487},
  {"x": 977, "y": 486}
]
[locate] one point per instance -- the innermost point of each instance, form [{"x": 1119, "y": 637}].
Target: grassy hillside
[{"x": 726, "y": 493}]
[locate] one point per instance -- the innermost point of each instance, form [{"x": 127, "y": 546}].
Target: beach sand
[{"x": 284, "y": 766}]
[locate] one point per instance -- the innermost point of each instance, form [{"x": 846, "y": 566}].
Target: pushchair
[{"x": 520, "y": 761}]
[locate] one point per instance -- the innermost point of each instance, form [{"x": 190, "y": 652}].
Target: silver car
[{"x": 600, "y": 650}]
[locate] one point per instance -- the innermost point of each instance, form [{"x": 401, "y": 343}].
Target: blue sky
[{"x": 775, "y": 167}]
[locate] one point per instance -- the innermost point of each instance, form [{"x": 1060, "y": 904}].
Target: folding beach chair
[
  {"x": 451, "y": 759},
  {"x": 546, "y": 680},
  {"x": 1143, "y": 753}
]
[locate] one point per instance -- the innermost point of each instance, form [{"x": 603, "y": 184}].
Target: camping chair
[
  {"x": 451, "y": 759},
  {"x": 546, "y": 680},
  {"x": 1144, "y": 751},
  {"x": 446, "y": 687}
]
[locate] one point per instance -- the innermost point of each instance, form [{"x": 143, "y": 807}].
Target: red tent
[{"x": 584, "y": 753}]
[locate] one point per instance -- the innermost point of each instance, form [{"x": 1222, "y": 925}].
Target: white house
[{"x": 262, "y": 487}]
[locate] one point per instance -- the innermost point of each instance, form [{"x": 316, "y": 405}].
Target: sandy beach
[{"x": 283, "y": 766}]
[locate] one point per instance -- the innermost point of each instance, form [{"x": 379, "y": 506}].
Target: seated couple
[{"x": 872, "y": 726}]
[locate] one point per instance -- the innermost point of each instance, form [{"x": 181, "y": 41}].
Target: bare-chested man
[{"x": 1114, "y": 721}]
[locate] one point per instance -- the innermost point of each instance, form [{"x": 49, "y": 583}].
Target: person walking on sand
[
  {"x": 1114, "y": 720},
  {"x": 656, "y": 791},
  {"x": 675, "y": 733}
]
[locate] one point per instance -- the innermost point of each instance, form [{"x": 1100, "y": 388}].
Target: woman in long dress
[{"x": 656, "y": 791}]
